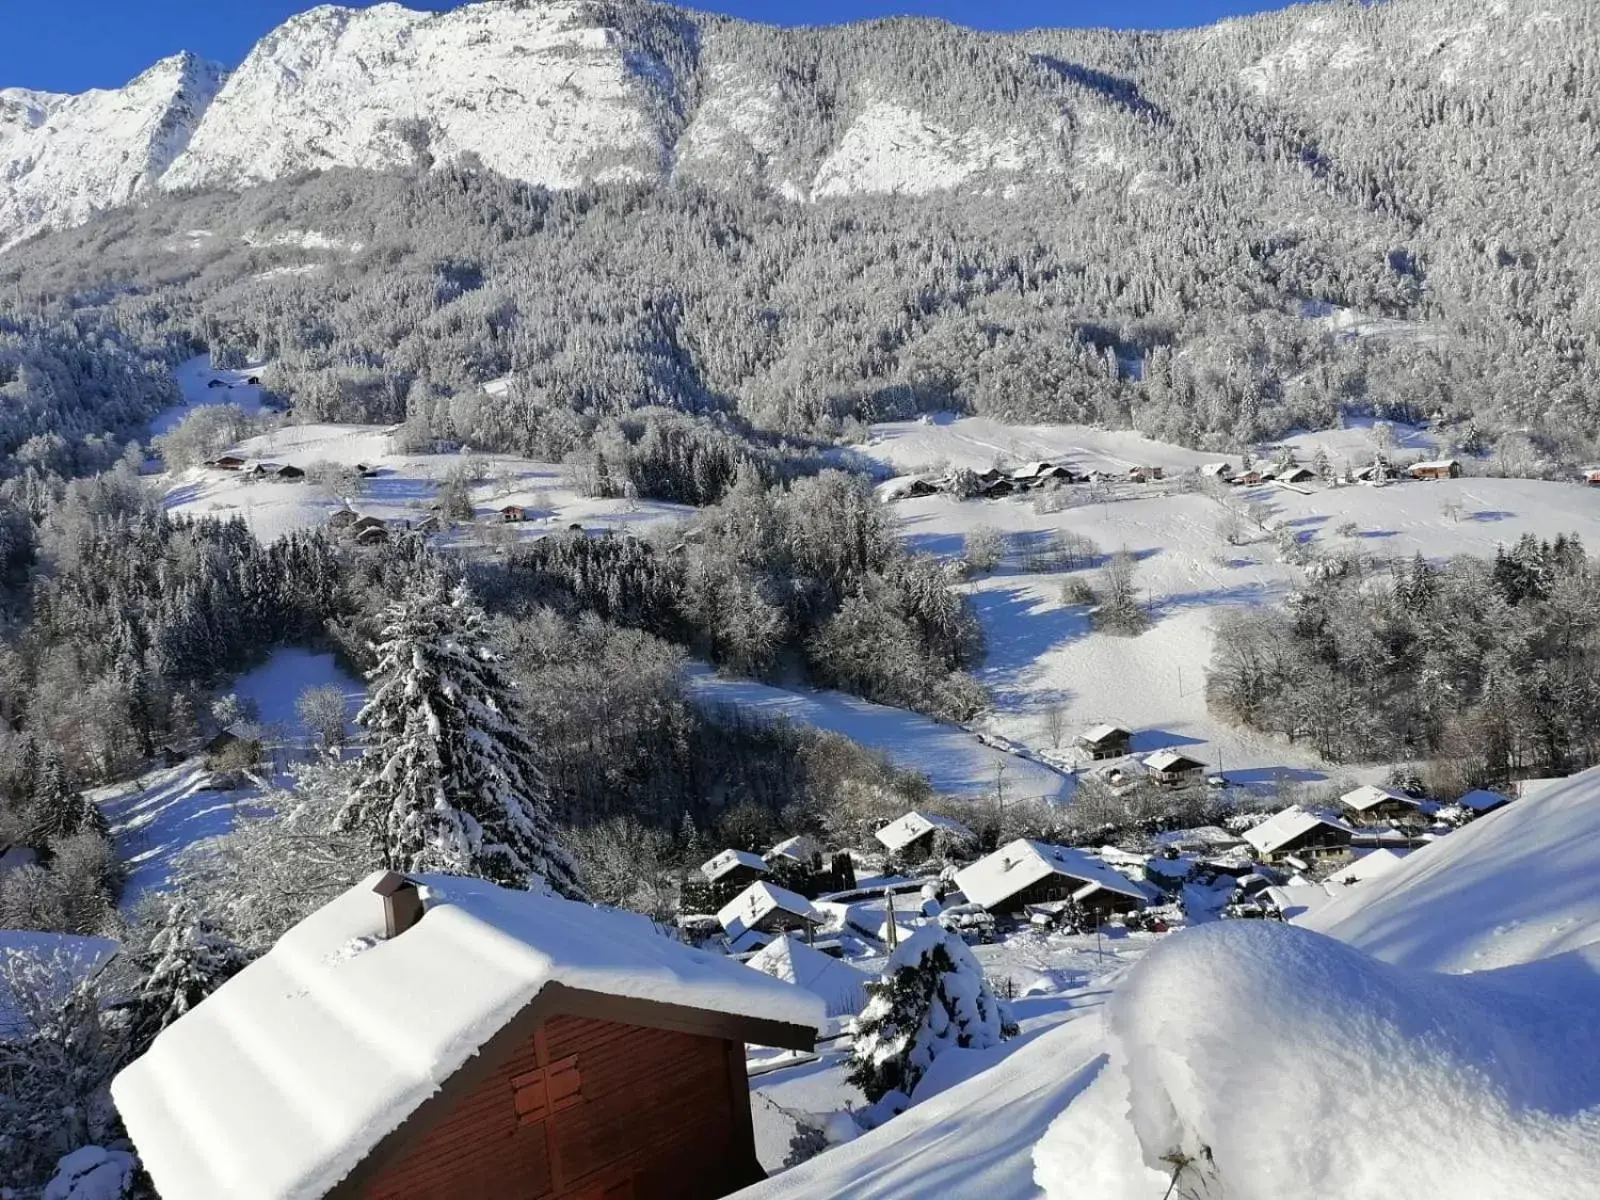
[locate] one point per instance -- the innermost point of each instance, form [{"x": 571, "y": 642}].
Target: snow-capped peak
[{"x": 63, "y": 158}]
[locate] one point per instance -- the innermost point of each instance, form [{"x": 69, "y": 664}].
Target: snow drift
[
  {"x": 1257, "y": 1061},
  {"x": 1515, "y": 885}
]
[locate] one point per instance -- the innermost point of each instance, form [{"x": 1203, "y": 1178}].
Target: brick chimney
[{"x": 402, "y": 903}]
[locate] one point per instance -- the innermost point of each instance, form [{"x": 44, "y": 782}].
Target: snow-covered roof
[
  {"x": 1483, "y": 799},
  {"x": 1097, "y": 734},
  {"x": 1368, "y": 866},
  {"x": 1437, "y": 464},
  {"x": 841, "y": 986},
  {"x": 1171, "y": 760},
  {"x": 1217, "y": 470},
  {"x": 716, "y": 867},
  {"x": 902, "y": 831},
  {"x": 285, "y": 1078},
  {"x": 1278, "y": 831},
  {"x": 1369, "y": 796},
  {"x": 1016, "y": 865},
  {"x": 800, "y": 848},
  {"x": 43, "y": 968},
  {"x": 1298, "y": 899},
  {"x": 758, "y": 901}
]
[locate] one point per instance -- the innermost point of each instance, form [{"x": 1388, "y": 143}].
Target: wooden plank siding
[{"x": 590, "y": 1110}]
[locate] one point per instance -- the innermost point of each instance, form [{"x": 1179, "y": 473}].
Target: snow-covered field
[
  {"x": 402, "y": 490},
  {"x": 1042, "y": 653}
]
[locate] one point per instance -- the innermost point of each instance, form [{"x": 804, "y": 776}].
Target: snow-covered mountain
[
  {"x": 64, "y": 158},
  {"x": 574, "y": 91}
]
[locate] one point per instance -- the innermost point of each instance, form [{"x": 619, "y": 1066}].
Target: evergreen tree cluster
[
  {"x": 1488, "y": 669},
  {"x": 810, "y": 570}
]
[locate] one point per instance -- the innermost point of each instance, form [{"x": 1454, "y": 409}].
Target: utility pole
[{"x": 888, "y": 908}]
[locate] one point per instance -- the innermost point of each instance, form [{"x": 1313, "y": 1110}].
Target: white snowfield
[
  {"x": 281, "y": 1081},
  {"x": 1043, "y": 655},
  {"x": 1515, "y": 885},
  {"x": 1284, "y": 1065}
]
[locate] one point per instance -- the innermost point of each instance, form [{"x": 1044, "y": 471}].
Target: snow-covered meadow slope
[{"x": 1043, "y": 655}]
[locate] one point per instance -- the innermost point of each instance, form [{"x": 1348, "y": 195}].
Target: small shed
[
  {"x": 1105, "y": 741},
  {"x": 455, "y": 1039},
  {"x": 342, "y": 518},
  {"x": 227, "y": 462},
  {"x": 1146, "y": 474},
  {"x": 1592, "y": 478},
  {"x": 1218, "y": 470},
  {"x": 235, "y": 737},
  {"x": 1370, "y": 803},
  {"x": 734, "y": 867},
  {"x": 1174, "y": 769},
  {"x": 766, "y": 908},
  {"x": 1026, "y": 872},
  {"x": 1444, "y": 468},
  {"x": 915, "y": 835},
  {"x": 1300, "y": 833},
  {"x": 1295, "y": 474}
]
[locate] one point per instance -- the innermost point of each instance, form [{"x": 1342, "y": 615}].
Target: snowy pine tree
[
  {"x": 448, "y": 782},
  {"x": 189, "y": 958},
  {"x": 933, "y": 995}
]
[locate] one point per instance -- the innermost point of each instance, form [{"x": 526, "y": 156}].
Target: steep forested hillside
[{"x": 1214, "y": 235}]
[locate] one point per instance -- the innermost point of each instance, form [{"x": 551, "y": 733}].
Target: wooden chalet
[
  {"x": 1218, "y": 470},
  {"x": 444, "y": 1037},
  {"x": 1174, "y": 769},
  {"x": 236, "y": 738},
  {"x": 1105, "y": 741},
  {"x": 1592, "y": 478},
  {"x": 1299, "y": 833},
  {"x": 1248, "y": 479},
  {"x": 916, "y": 836},
  {"x": 342, "y": 519},
  {"x": 227, "y": 462},
  {"x": 1446, "y": 468},
  {"x": 1369, "y": 804},
  {"x": 513, "y": 512},
  {"x": 1146, "y": 474},
  {"x": 1295, "y": 474},
  {"x": 1024, "y": 872},
  {"x": 762, "y": 911},
  {"x": 734, "y": 868},
  {"x": 371, "y": 535},
  {"x": 290, "y": 471}
]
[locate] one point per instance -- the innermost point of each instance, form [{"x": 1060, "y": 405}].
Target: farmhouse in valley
[
  {"x": 1299, "y": 833},
  {"x": 764, "y": 910},
  {"x": 447, "y": 1037},
  {"x": 1026, "y": 872},
  {"x": 734, "y": 867},
  {"x": 1105, "y": 741},
  {"x": 1445, "y": 468},
  {"x": 1171, "y": 768},
  {"x": 1370, "y": 803},
  {"x": 916, "y": 835}
]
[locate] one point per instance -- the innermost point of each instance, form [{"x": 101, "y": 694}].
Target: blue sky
[{"x": 70, "y": 45}]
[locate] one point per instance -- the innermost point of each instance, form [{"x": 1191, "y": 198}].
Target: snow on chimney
[{"x": 402, "y": 903}]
